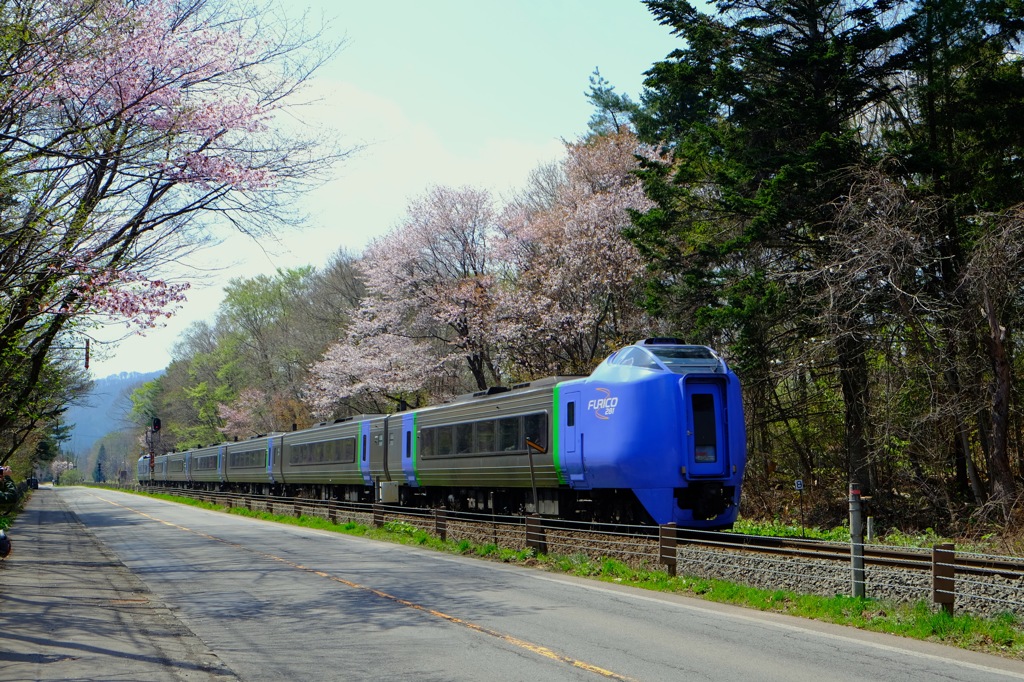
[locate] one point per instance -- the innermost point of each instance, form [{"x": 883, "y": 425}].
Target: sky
[{"x": 438, "y": 92}]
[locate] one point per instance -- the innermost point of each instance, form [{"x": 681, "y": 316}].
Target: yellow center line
[{"x": 505, "y": 637}]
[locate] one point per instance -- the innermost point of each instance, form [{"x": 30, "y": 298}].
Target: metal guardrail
[{"x": 996, "y": 580}]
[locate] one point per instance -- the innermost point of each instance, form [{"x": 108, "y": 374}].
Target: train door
[
  {"x": 221, "y": 451},
  {"x": 408, "y": 435},
  {"x": 393, "y": 452},
  {"x": 274, "y": 457},
  {"x": 385, "y": 460},
  {"x": 572, "y": 440},
  {"x": 379, "y": 449},
  {"x": 364, "y": 452},
  {"x": 706, "y": 442}
]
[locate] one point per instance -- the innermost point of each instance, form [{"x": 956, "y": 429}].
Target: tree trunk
[
  {"x": 1001, "y": 482},
  {"x": 966, "y": 472},
  {"x": 476, "y": 366},
  {"x": 853, "y": 376}
]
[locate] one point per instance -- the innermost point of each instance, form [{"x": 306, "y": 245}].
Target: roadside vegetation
[
  {"x": 9, "y": 510},
  {"x": 1002, "y": 635},
  {"x": 6, "y": 519}
]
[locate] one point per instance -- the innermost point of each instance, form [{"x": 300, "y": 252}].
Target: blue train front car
[{"x": 664, "y": 420}]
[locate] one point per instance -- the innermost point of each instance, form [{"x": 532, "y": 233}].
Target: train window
[
  {"x": 364, "y": 448},
  {"x": 323, "y": 452},
  {"x": 247, "y": 459},
  {"x": 509, "y": 438},
  {"x": 570, "y": 414},
  {"x": 636, "y": 357},
  {"x": 463, "y": 439},
  {"x": 485, "y": 436},
  {"x": 206, "y": 463},
  {"x": 683, "y": 359},
  {"x": 444, "y": 441},
  {"x": 348, "y": 450},
  {"x": 705, "y": 435},
  {"x": 408, "y": 444},
  {"x": 535, "y": 427}
]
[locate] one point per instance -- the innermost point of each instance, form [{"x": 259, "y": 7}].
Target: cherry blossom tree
[
  {"x": 549, "y": 287},
  {"x": 249, "y": 415},
  {"x": 124, "y": 127},
  {"x": 573, "y": 287},
  {"x": 377, "y": 374},
  {"x": 427, "y": 308},
  {"x": 59, "y": 467}
]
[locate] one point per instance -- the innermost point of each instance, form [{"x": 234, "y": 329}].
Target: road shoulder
[{"x": 71, "y": 610}]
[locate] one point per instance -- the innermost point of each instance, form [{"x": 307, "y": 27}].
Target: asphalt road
[{"x": 229, "y": 597}]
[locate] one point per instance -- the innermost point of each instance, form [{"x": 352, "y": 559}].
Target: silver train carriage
[{"x": 654, "y": 435}]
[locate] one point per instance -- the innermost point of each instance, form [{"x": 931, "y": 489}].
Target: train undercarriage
[{"x": 619, "y": 506}]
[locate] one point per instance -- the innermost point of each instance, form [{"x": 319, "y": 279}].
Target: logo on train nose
[{"x": 603, "y": 407}]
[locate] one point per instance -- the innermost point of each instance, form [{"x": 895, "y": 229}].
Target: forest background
[{"x": 828, "y": 193}]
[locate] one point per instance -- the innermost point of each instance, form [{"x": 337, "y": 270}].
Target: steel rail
[{"x": 909, "y": 558}]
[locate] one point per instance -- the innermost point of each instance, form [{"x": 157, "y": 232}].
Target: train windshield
[{"x": 683, "y": 359}]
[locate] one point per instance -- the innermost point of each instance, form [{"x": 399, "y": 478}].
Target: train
[{"x": 654, "y": 435}]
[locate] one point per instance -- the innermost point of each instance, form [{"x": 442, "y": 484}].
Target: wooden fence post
[
  {"x": 441, "y": 524},
  {"x": 944, "y": 576},
  {"x": 536, "y": 538},
  {"x": 667, "y": 547}
]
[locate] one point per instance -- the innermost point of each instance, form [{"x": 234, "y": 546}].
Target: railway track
[
  {"x": 797, "y": 548},
  {"x": 892, "y": 557}
]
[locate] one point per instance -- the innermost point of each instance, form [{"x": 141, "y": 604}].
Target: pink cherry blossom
[{"x": 575, "y": 278}]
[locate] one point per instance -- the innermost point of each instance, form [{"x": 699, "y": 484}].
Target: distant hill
[{"x": 104, "y": 409}]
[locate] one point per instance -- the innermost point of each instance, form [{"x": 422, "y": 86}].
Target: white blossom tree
[
  {"x": 573, "y": 285},
  {"x": 548, "y": 287},
  {"x": 424, "y": 323}
]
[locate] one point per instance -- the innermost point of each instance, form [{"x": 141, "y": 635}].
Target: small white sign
[{"x": 799, "y": 484}]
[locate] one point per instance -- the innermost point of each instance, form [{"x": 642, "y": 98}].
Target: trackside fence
[{"x": 982, "y": 584}]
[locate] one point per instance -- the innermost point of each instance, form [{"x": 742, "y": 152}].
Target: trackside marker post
[
  {"x": 799, "y": 485},
  {"x": 856, "y": 540}
]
